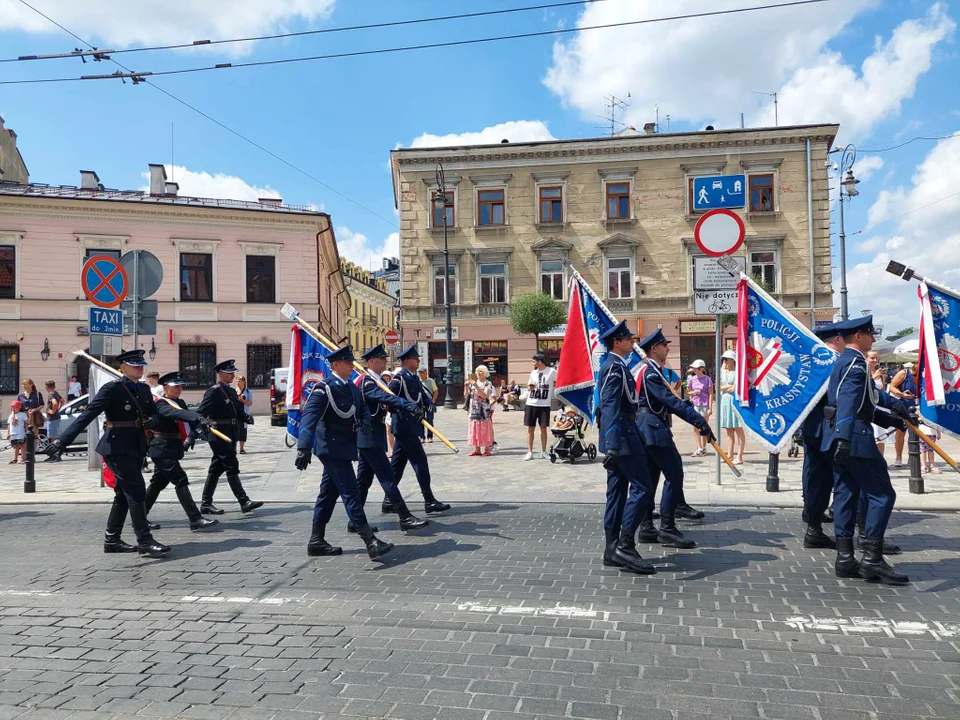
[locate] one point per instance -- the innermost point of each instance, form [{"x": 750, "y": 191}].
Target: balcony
[
  {"x": 439, "y": 311},
  {"x": 493, "y": 310},
  {"x": 621, "y": 306}
]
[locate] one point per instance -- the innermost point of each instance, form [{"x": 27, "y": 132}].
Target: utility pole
[{"x": 776, "y": 110}]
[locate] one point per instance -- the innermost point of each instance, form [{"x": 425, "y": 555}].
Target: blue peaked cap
[
  {"x": 344, "y": 353},
  {"x": 855, "y": 325},
  {"x": 133, "y": 358},
  {"x": 618, "y": 331},
  {"x": 654, "y": 338},
  {"x": 378, "y": 352},
  {"x": 409, "y": 353}
]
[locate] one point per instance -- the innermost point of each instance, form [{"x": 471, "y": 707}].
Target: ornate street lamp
[
  {"x": 153, "y": 349},
  {"x": 849, "y": 188},
  {"x": 45, "y": 353},
  {"x": 439, "y": 203}
]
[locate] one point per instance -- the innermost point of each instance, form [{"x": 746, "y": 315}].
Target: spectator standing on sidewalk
[
  {"x": 74, "y": 390},
  {"x": 153, "y": 381},
  {"x": 52, "y": 411},
  {"x": 729, "y": 420},
  {"x": 245, "y": 397},
  {"x": 480, "y": 422},
  {"x": 878, "y": 377},
  {"x": 17, "y": 432},
  {"x": 431, "y": 387},
  {"x": 539, "y": 401},
  {"x": 32, "y": 401},
  {"x": 700, "y": 391},
  {"x": 904, "y": 387}
]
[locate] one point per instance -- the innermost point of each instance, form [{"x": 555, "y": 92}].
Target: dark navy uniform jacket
[
  {"x": 329, "y": 421},
  {"x": 812, "y": 428},
  {"x": 617, "y": 416},
  {"x": 166, "y": 442},
  {"x": 120, "y": 401},
  {"x": 377, "y": 401},
  {"x": 855, "y": 397},
  {"x": 656, "y": 403},
  {"x": 221, "y": 404},
  {"x": 407, "y": 386}
]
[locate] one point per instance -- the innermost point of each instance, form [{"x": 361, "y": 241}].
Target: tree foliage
[
  {"x": 900, "y": 333},
  {"x": 535, "y": 314}
]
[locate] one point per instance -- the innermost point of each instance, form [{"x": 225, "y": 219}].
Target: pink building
[{"x": 228, "y": 268}]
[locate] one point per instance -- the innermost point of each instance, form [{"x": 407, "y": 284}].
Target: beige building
[
  {"x": 12, "y": 167},
  {"x": 621, "y": 210},
  {"x": 372, "y": 309}
]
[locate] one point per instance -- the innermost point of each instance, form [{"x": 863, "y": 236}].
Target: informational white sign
[
  {"x": 714, "y": 302},
  {"x": 468, "y": 355},
  {"x": 708, "y": 275},
  {"x": 440, "y": 333}
]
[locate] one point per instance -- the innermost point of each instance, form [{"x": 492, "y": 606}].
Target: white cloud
[
  {"x": 203, "y": 184},
  {"x": 927, "y": 238},
  {"x": 865, "y": 167},
  {"x": 697, "y": 70},
  {"x": 514, "y": 131},
  {"x": 358, "y": 249},
  {"x": 106, "y": 23}
]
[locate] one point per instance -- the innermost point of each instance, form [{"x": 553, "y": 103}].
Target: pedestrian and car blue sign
[
  {"x": 106, "y": 322},
  {"x": 719, "y": 191}
]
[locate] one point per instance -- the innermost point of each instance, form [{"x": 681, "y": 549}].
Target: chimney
[
  {"x": 272, "y": 202},
  {"x": 650, "y": 128},
  {"x": 171, "y": 188},
  {"x": 89, "y": 180},
  {"x": 158, "y": 179}
]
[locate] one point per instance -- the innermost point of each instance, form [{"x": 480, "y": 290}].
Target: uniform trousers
[
  {"x": 665, "y": 460},
  {"x": 818, "y": 478},
  {"x": 373, "y": 461},
  {"x": 856, "y": 477},
  {"x": 130, "y": 490},
  {"x": 338, "y": 480},
  {"x": 224, "y": 461},
  {"x": 410, "y": 449},
  {"x": 628, "y": 488}
]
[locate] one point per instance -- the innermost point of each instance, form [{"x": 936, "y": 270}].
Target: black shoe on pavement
[
  {"x": 152, "y": 548},
  {"x": 317, "y": 546},
  {"x": 412, "y": 522},
  {"x": 670, "y": 536},
  {"x": 688, "y": 513},
  {"x": 608, "y": 550},
  {"x": 210, "y": 509},
  {"x": 249, "y": 505},
  {"x": 846, "y": 565},
  {"x": 351, "y": 528},
  {"x": 153, "y": 526},
  {"x": 435, "y": 506},
  {"x": 376, "y": 548},
  {"x": 874, "y": 568},
  {"x": 203, "y": 523},
  {"x": 626, "y": 554},
  {"x": 113, "y": 544},
  {"x": 815, "y": 538},
  {"x": 387, "y": 509}
]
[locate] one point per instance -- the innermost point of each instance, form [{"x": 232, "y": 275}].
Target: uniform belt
[
  {"x": 122, "y": 423},
  {"x": 224, "y": 422},
  {"x": 169, "y": 436}
]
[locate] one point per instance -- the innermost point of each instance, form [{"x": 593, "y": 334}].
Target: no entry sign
[
  {"x": 104, "y": 281},
  {"x": 391, "y": 337},
  {"x": 719, "y": 232}
]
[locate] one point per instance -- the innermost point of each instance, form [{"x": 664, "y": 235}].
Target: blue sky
[{"x": 885, "y": 70}]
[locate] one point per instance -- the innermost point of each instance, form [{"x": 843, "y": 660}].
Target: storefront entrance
[
  {"x": 697, "y": 347},
  {"x": 438, "y": 369},
  {"x": 493, "y": 354}
]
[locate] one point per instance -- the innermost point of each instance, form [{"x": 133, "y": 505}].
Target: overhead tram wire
[
  {"x": 302, "y": 33},
  {"x": 139, "y": 77},
  {"x": 236, "y": 133}
]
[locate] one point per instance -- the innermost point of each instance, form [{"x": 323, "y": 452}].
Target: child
[
  {"x": 17, "y": 432},
  {"x": 926, "y": 453}
]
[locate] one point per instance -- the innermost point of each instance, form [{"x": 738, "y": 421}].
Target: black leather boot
[
  {"x": 608, "y": 549},
  {"x": 435, "y": 506},
  {"x": 197, "y": 520},
  {"x": 146, "y": 544},
  {"x": 153, "y": 492},
  {"x": 351, "y": 528},
  {"x": 376, "y": 548},
  {"x": 626, "y": 553},
  {"x": 317, "y": 546},
  {"x": 647, "y": 532},
  {"x": 846, "y": 565},
  {"x": 246, "y": 504},
  {"x": 409, "y": 521},
  {"x": 111, "y": 538},
  {"x": 670, "y": 536},
  {"x": 815, "y": 537},
  {"x": 387, "y": 508},
  {"x": 874, "y": 568},
  {"x": 888, "y": 547},
  {"x": 687, "y": 513}
]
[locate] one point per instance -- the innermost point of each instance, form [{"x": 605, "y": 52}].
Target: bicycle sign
[{"x": 714, "y": 302}]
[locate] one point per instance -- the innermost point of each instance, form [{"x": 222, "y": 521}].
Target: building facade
[
  {"x": 12, "y": 167},
  {"x": 372, "y": 308},
  {"x": 620, "y": 210},
  {"x": 228, "y": 268}
]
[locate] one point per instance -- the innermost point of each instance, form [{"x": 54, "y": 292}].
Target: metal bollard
[
  {"x": 29, "y": 484},
  {"x": 773, "y": 470},
  {"x": 913, "y": 455}
]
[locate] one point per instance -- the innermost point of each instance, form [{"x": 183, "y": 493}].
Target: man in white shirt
[
  {"x": 153, "y": 380},
  {"x": 73, "y": 389},
  {"x": 537, "y": 409}
]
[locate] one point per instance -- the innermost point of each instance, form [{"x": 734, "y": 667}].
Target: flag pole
[
  {"x": 583, "y": 283},
  {"x": 291, "y": 313},
  {"x": 170, "y": 402},
  {"x": 931, "y": 443}
]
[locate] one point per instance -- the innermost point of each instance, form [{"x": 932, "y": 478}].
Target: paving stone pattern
[{"x": 495, "y": 611}]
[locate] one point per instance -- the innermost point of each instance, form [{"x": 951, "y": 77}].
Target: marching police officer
[
  {"x": 329, "y": 424},
  {"x": 168, "y": 441},
  {"x": 129, "y": 409},
  {"x": 373, "y": 445},
  {"x": 223, "y": 408},
  {"x": 857, "y": 464},
  {"x": 628, "y": 480},
  {"x": 407, "y": 431},
  {"x": 656, "y": 403},
  {"x": 817, "y": 463}
]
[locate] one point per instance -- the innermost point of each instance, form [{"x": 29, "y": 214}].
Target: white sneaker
[
  {"x": 898, "y": 463},
  {"x": 544, "y": 456},
  {"x": 528, "y": 456}
]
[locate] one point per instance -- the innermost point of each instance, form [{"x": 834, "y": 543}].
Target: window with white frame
[
  {"x": 439, "y": 297},
  {"x": 763, "y": 268},
  {"x": 619, "y": 278},
  {"x": 493, "y": 283},
  {"x": 551, "y": 278}
]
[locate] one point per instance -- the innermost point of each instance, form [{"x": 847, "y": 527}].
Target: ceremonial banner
[
  {"x": 582, "y": 352},
  {"x": 308, "y": 366},
  {"x": 939, "y": 360},
  {"x": 782, "y": 367}
]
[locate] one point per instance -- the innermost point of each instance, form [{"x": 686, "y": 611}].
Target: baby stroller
[
  {"x": 569, "y": 443},
  {"x": 796, "y": 442}
]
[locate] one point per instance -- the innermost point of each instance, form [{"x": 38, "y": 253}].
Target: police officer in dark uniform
[
  {"x": 328, "y": 425},
  {"x": 858, "y": 466},
  {"x": 818, "y": 464},
  {"x": 373, "y": 445},
  {"x": 628, "y": 481},
  {"x": 129, "y": 409},
  {"x": 657, "y": 402},
  {"x": 407, "y": 431},
  {"x": 226, "y": 413},
  {"x": 168, "y": 440}
]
